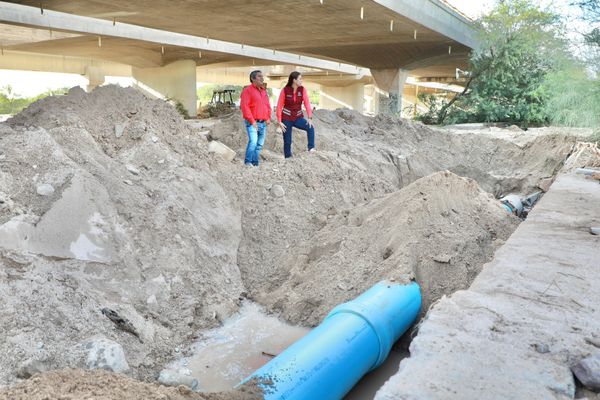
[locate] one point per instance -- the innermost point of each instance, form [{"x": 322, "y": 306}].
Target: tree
[
  {"x": 591, "y": 13},
  {"x": 519, "y": 44}
]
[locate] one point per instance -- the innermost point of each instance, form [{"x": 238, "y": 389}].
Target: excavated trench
[{"x": 111, "y": 201}]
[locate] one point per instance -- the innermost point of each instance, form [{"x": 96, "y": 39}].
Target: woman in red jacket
[{"x": 290, "y": 115}]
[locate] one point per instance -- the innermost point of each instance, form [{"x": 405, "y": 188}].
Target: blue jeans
[
  {"x": 256, "y": 139},
  {"x": 302, "y": 124}
]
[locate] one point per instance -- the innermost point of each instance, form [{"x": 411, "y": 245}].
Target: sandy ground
[
  {"x": 142, "y": 220},
  {"x": 77, "y": 384}
]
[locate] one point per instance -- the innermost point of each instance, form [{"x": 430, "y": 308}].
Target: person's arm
[
  {"x": 245, "y": 106},
  {"x": 269, "y": 107},
  {"x": 307, "y": 105},
  {"x": 280, "y": 104}
]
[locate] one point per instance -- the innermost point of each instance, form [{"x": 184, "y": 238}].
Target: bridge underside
[{"x": 361, "y": 35}]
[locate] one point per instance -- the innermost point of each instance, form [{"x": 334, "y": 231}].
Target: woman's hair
[{"x": 294, "y": 75}]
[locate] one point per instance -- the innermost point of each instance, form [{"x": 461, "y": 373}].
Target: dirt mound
[
  {"x": 439, "y": 230},
  {"x": 89, "y": 220},
  {"x": 285, "y": 202},
  {"x": 75, "y": 384},
  {"x": 118, "y": 118},
  {"x": 402, "y": 151}
]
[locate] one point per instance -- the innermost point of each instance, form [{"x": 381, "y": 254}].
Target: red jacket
[
  {"x": 293, "y": 103},
  {"x": 254, "y": 103}
]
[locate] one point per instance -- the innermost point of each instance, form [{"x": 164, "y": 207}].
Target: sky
[
  {"x": 27, "y": 83},
  {"x": 471, "y": 8}
]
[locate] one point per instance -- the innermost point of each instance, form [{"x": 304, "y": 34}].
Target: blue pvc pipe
[{"x": 355, "y": 338}]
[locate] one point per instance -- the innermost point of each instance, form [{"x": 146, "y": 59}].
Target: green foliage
[
  {"x": 12, "y": 103},
  {"x": 314, "y": 96},
  {"x": 573, "y": 90},
  {"x": 520, "y": 46},
  {"x": 520, "y": 42},
  {"x": 178, "y": 106},
  {"x": 181, "y": 109},
  {"x": 573, "y": 98},
  {"x": 434, "y": 104},
  {"x": 591, "y": 16}
]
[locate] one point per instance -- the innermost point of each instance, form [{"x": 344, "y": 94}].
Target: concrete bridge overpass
[{"x": 166, "y": 44}]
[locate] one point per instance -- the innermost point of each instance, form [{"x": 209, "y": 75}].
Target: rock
[
  {"x": 204, "y": 134},
  {"x": 128, "y": 182},
  {"x": 132, "y": 169},
  {"x": 222, "y": 150},
  {"x": 545, "y": 183},
  {"x": 120, "y": 322},
  {"x": 277, "y": 191},
  {"x": 106, "y": 354},
  {"x": 161, "y": 161},
  {"x": 588, "y": 371},
  {"x": 595, "y": 230},
  {"x": 171, "y": 378},
  {"x": 593, "y": 341},
  {"x": 32, "y": 367},
  {"x": 119, "y": 128},
  {"x": 442, "y": 258},
  {"x": 45, "y": 189},
  {"x": 541, "y": 348},
  {"x": 344, "y": 287},
  {"x": 154, "y": 139}
]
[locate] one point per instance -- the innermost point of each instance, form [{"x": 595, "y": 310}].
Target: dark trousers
[{"x": 302, "y": 124}]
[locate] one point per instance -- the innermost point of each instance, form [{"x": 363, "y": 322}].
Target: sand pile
[
  {"x": 110, "y": 200},
  {"x": 117, "y": 118},
  {"x": 439, "y": 231},
  {"x": 401, "y": 151},
  {"x": 285, "y": 202},
  {"x": 88, "y": 220},
  {"x": 72, "y": 384}
]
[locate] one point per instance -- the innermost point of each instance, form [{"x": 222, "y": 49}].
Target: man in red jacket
[{"x": 256, "y": 110}]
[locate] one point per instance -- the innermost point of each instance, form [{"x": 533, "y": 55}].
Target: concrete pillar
[
  {"x": 176, "y": 81},
  {"x": 95, "y": 77},
  {"x": 352, "y": 97},
  {"x": 392, "y": 82}
]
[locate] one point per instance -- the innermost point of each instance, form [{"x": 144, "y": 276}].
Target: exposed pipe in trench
[{"x": 355, "y": 338}]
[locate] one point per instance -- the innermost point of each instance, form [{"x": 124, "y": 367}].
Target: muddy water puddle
[{"x": 226, "y": 355}]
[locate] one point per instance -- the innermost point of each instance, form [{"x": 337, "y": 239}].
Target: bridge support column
[
  {"x": 176, "y": 81},
  {"x": 95, "y": 77},
  {"x": 351, "y": 96},
  {"x": 392, "y": 82}
]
